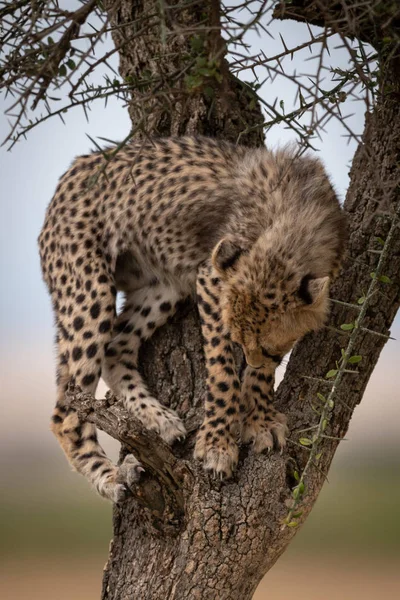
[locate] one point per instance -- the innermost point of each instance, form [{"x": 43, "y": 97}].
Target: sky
[{"x": 29, "y": 175}]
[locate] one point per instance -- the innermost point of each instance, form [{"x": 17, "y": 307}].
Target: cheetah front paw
[
  {"x": 117, "y": 487},
  {"x": 219, "y": 453},
  {"x": 265, "y": 435},
  {"x": 165, "y": 421}
]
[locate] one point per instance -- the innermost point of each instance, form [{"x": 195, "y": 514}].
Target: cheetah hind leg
[
  {"x": 145, "y": 310},
  {"x": 78, "y": 360},
  {"x": 80, "y": 444}
]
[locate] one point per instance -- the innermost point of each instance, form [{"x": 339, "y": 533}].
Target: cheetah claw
[
  {"x": 266, "y": 436},
  {"x": 220, "y": 458},
  {"x": 127, "y": 475}
]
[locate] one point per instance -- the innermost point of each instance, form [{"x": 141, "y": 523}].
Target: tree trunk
[{"x": 213, "y": 540}]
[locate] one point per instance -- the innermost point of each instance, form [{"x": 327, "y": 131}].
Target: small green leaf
[
  {"x": 361, "y": 300},
  {"x": 292, "y": 524},
  {"x": 318, "y": 456},
  {"x": 385, "y": 279},
  {"x": 321, "y": 397},
  {"x": 347, "y": 326},
  {"x": 62, "y": 71},
  {"x": 295, "y": 493},
  {"x": 298, "y": 514},
  {"x": 324, "y": 424},
  {"x": 331, "y": 404},
  {"x": 197, "y": 44},
  {"x": 71, "y": 64},
  {"x": 302, "y": 488},
  {"x": 331, "y": 373},
  {"x": 380, "y": 241},
  {"x": 353, "y": 360},
  {"x": 296, "y": 476},
  {"x": 305, "y": 442}
]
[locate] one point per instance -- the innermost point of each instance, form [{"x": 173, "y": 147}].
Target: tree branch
[
  {"x": 161, "y": 487},
  {"x": 368, "y": 21}
]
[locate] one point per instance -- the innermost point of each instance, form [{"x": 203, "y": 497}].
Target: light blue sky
[{"x": 28, "y": 178}]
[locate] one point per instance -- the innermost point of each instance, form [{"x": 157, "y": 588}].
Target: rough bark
[{"x": 184, "y": 535}]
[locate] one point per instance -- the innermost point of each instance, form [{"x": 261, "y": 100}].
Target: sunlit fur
[
  {"x": 276, "y": 283},
  {"x": 256, "y": 234}
]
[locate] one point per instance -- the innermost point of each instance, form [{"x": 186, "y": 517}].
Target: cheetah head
[{"x": 266, "y": 305}]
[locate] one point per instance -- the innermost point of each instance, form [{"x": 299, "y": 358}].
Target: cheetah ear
[
  {"x": 313, "y": 290},
  {"x": 226, "y": 254}
]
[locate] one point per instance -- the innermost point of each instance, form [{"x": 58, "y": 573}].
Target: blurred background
[{"x": 55, "y": 531}]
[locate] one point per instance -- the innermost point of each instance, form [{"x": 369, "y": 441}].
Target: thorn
[
  {"x": 283, "y": 42},
  {"x": 310, "y": 32}
]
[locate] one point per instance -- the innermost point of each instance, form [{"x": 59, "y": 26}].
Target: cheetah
[{"x": 255, "y": 235}]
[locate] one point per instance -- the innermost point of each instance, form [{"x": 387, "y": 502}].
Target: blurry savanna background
[{"x": 55, "y": 531}]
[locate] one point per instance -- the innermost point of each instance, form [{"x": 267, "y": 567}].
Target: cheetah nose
[
  {"x": 258, "y": 366},
  {"x": 254, "y": 358}
]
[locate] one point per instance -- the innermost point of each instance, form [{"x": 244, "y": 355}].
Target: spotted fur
[{"x": 257, "y": 234}]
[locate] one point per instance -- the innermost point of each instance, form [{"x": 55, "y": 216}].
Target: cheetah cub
[{"x": 258, "y": 234}]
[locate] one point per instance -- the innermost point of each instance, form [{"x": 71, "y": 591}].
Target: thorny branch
[
  {"x": 51, "y": 57},
  {"x": 313, "y": 445}
]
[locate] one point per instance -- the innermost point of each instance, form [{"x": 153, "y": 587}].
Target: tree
[{"x": 184, "y": 535}]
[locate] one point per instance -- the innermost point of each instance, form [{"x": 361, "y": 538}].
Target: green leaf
[
  {"x": 305, "y": 442},
  {"x": 197, "y": 44},
  {"x": 62, "y": 71},
  {"x": 385, "y": 279},
  {"x": 347, "y": 326},
  {"x": 324, "y": 424},
  {"x": 331, "y": 373},
  {"x": 380, "y": 241},
  {"x": 297, "y": 514},
  {"x": 321, "y": 397},
  {"x": 292, "y": 524},
  {"x": 295, "y": 493},
  {"x": 71, "y": 64},
  {"x": 331, "y": 404},
  {"x": 361, "y": 300},
  {"x": 201, "y": 61},
  {"x": 318, "y": 456},
  {"x": 296, "y": 476},
  {"x": 353, "y": 360}
]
